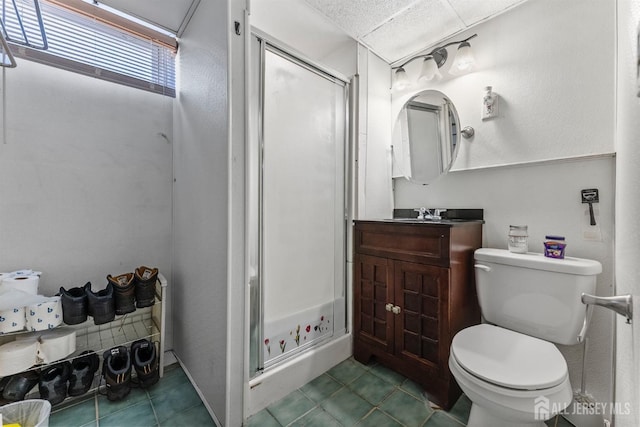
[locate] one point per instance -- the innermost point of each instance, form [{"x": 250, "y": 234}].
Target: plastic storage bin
[{"x": 27, "y": 413}]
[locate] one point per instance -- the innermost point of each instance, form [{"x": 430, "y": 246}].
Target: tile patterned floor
[
  {"x": 353, "y": 394},
  {"x": 171, "y": 402},
  {"x": 349, "y": 394}
]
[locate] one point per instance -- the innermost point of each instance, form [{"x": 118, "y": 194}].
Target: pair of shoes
[
  {"x": 53, "y": 382},
  {"x": 117, "y": 364},
  {"x": 83, "y": 370},
  {"x": 102, "y": 304},
  {"x": 137, "y": 289},
  {"x": 73, "y": 378},
  {"x": 16, "y": 387},
  {"x": 79, "y": 302}
]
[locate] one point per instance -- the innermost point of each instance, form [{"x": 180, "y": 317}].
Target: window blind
[{"x": 80, "y": 43}]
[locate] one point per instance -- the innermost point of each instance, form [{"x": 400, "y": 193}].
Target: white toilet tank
[{"x": 533, "y": 294}]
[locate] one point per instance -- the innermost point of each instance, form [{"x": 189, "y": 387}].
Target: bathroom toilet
[{"x": 509, "y": 367}]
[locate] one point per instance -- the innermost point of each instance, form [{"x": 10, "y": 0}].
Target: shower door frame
[{"x": 255, "y": 205}]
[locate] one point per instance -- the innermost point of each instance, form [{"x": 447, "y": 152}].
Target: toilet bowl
[
  {"x": 508, "y": 366},
  {"x": 512, "y": 380}
]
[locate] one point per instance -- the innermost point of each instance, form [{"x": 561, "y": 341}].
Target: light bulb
[
  {"x": 401, "y": 81},
  {"x": 429, "y": 70},
  {"x": 464, "y": 61}
]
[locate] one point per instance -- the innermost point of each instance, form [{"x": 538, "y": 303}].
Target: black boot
[
  {"x": 53, "y": 382},
  {"x": 145, "y": 279},
  {"x": 124, "y": 292},
  {"x": 83, "y": 369},
  {"x": 116, "y": 370},
  {"x": 145, "y": 361},
  {"x": 74, "y": 305},
  {"x": 102, "y": 305}
]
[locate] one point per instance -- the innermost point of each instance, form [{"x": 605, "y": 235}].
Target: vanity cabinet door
[
  {"x": 421, "y": 324},
  {"x": 372, "y": 292}
]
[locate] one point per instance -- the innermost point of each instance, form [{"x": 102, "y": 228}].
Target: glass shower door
[{"x": 302, "y": 206}]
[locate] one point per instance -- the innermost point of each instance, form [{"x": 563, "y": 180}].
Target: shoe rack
[{"x": 148, "y": 322}]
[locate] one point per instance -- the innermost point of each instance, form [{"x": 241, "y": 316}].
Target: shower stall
[{"x": 297, "y": 163}]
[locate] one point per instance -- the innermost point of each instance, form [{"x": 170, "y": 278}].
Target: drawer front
[{"x": 421, "y": 243}]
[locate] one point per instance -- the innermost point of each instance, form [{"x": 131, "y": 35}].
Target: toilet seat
[{"x": 509, "y": 359}]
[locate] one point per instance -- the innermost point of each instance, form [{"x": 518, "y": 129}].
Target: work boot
[
  {"x": 145, "y": 279},
  {"x": 124, "y": 292},
  {"x": 145, "y": 362},
  {"x": 101, "y": 304},
  {"x": 116, "y": 370},
  {"x": 74, "y": 305},
  {"x": 83, "y": 369}
]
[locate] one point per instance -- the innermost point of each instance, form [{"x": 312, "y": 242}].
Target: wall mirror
[{"x": 425, "y": 137}]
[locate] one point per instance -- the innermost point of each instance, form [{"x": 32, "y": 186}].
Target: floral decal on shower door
[{"x": 298, "y": 335}]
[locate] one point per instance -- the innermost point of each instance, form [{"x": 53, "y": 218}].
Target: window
[{"x": 84, "y": 43}]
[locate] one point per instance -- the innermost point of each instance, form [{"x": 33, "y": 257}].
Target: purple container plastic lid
[{"x": 554, "y": 237}]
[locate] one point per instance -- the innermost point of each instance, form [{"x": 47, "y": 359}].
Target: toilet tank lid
[{"x": 569, "y": 265}]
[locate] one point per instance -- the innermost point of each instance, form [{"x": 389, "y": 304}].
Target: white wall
[
  {"x": 85, "y": 178},
  {"x": 556, "y": 101},
  {"x": 306, "y": 32},
  {"x": 201, "y": 167},
  {"x": 628, "y": 211}
]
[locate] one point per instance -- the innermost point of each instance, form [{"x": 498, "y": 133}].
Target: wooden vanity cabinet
[{"x": 414, "y": 289}]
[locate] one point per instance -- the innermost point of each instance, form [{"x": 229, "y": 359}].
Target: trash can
[{"x": 27, "y": 413}]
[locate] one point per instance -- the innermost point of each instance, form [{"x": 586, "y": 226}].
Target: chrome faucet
[
  {"x": 424, "y": 213},
  {"x": 621, "y": 304}
]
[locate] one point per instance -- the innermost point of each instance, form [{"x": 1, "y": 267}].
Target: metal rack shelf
[{"x": 148, "y": 323}]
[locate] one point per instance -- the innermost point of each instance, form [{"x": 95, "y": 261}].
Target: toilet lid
[{"x": 509, "y": 359}]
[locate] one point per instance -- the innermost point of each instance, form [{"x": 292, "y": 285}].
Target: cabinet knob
[
  {"x": 389, "y": 307},
  {"x": 395, "y": 309}
]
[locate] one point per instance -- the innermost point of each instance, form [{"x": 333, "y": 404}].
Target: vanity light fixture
[{"x": 434, "y": 60}]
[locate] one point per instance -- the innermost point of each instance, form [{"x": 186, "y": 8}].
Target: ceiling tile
[
  {"x": 417, "y": 28},
  {"x": 472, "y": 11},
  {"x": 359, "y": 17}
]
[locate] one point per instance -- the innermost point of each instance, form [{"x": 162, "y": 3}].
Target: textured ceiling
[
  {"x": 170, "y": 15},
  {"x": 395, "y": 29}
]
